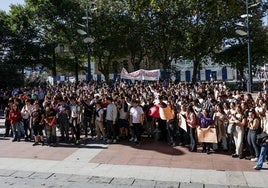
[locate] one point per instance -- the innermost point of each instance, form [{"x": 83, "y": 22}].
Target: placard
[{"x": 207, "y": 135}]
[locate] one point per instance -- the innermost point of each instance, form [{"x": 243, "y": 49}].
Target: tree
[
  {"x": 109, "y": 33},
  {"x": 235, "y": 49},
  {"x": 58, "y": 23}
]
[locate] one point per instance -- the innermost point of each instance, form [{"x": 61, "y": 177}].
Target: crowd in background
[{"x": 122, "y": 112}]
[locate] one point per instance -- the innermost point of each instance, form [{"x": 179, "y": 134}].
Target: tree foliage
[{"x": 155, "y": 31}]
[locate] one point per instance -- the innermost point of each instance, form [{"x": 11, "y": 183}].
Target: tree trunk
[
  {"x": 54, "y": 68},
  {"x": 76, "y": 70},
  {"x": 195, "y": 64}
]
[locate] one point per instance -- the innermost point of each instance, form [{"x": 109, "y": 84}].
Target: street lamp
[
  {"x": 247, "y": 33},
  {"x": 88, "y": 40}
]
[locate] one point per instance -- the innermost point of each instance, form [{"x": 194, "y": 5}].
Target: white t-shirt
[
  {"x": 75, "y": 110},
  {"x": 99, "y": 113},
  {"x": 136, "y": 113}
]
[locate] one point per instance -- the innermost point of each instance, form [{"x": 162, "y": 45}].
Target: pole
[
  {"x": 249, "y": 81},
  {"x": 88, "y": 48}
]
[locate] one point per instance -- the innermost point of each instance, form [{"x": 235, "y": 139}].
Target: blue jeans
[
  {"x": 193, "y": 140},
  {"x": 262, "y": 156},
  {"x": 251, "y": 138},
  {"x": 16, "y": 130}
]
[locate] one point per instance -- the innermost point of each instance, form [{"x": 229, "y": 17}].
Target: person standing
[
  {"x": 253, "y": 126},
  {"x": 264, "y": 145},
  {"x": 123, "y": 108},
  {"x": 136, "y": 120},
  {"x": 99, "y": 116},
  {"x": 15, "y": 118},
  {"x": 220, "y": 119},
  {"x": 111, "y": 117},
  {"x": 26, "y": 113},
  {"x": 63, "y": 119},
  {"x": 191, "y": 122},
  {"x": 37, "y": 122},
  {"x": 206, "y": 121},
  {"x": 51, "y": 121},
  {"x": 75, "y": 120},
  {"x": 7, "y": 120},
  {"x": 239, "y": 121}
]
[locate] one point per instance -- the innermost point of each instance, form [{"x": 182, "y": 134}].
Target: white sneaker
[
  {"x": 109, "y": 141},
  {"x": 254, "y": 159},
  {"x": 131, "y": 139},
  {"x": 114, "y": 141}
]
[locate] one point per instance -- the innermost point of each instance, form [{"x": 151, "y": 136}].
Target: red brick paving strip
[
  {"x": 25, "y": 150},
  {"x": 161, "y": 155}
]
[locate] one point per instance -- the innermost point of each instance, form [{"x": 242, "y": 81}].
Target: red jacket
[{"x": 15, "y": 116}]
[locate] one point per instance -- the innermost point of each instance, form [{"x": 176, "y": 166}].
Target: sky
[{"x": 4, "y": 4}]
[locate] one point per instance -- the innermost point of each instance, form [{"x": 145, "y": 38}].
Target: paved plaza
[{"x": 96, "y": 164}]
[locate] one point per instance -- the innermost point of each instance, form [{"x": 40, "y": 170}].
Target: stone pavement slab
[
  {"x": 7, "y": 172},
  {"x": 123, "y": 181},
  {"x": 94, "y": 164},
  {"x": 166, "y": 184}
]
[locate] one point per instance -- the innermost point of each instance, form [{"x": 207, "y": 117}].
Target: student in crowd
[
  {"x": 38, "y": 124},
  {"x": 111, "y": 118},
  {"x": 206, "y": 121},
  {"x": 51, "y": 122},
  {"x": 26, "y": 114},
  {"x": 136, "y": 120},
  {"x": 15, "y": 120}
]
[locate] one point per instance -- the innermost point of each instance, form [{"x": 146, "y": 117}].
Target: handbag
[{"x": 261, "y": 138}]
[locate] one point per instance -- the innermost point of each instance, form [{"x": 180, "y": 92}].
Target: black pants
[
  {"x": 8, "y": 128},
  {"x": 138, "y": 129},
  {"x": 172, "y": 130},
  {"x": 76, "y": 128},
  {"x": 111, "y": 131}
]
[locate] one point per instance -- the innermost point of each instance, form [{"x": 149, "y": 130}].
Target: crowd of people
[{"x": 123, "y": 111}]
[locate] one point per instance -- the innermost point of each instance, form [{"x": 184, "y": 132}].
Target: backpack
[{"x": 97, "y": 112}]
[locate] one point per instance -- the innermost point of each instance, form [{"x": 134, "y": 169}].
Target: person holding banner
[{"x": 206, "y": 122}]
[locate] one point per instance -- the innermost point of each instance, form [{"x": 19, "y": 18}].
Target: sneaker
[
  {"x": 114, "y": 141},
  {"x": 109, "y": 141},
  {"x": 249, "y": 157},
  {"x": 235, "y": 155},
  {"x": 254, "y": 159},
  {"x": 257, "y": 167},
  {"x": 132, "y": 139},
  {"x": 135, "y": 140}
]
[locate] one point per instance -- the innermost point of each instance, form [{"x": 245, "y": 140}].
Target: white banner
[{"x": 141, "y": 74}]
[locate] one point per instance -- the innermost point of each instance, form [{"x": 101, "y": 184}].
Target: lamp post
[
  {"x": 249, "y": 82},
  {"x": 88, "y": 40},
  {"x": 247, "y": 33}
]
